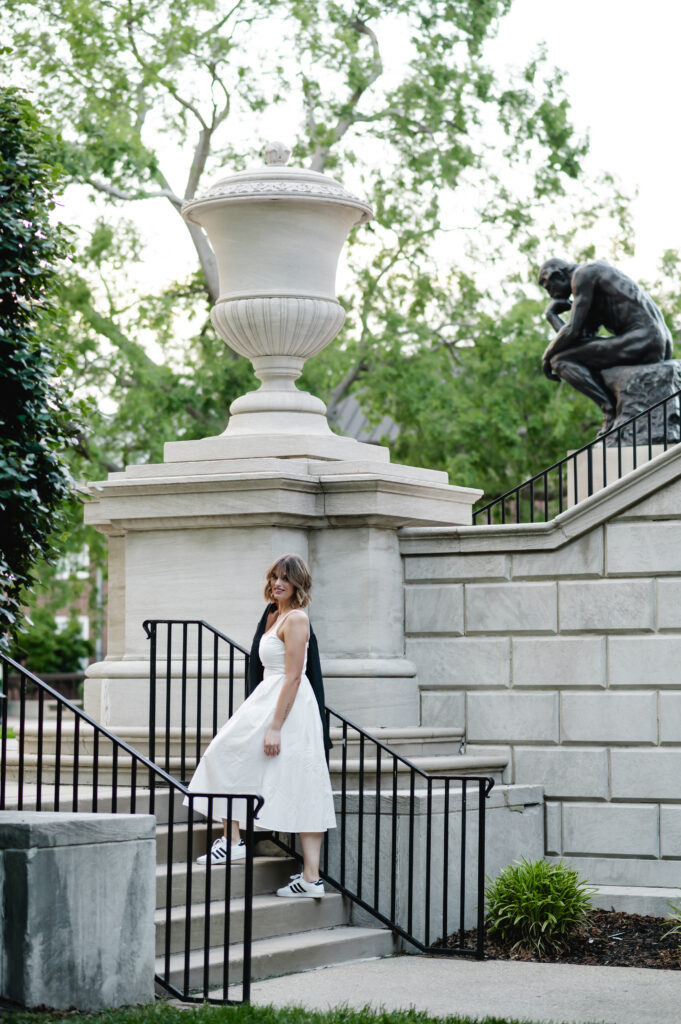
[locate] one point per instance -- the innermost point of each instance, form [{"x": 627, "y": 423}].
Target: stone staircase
[
  {"x": 289, "y": 935},
  {"x": 434, "y": 750}
]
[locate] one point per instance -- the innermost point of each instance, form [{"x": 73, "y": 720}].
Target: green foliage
[
  {"x": 34, "y": 411},
  {"x": 537, "y": 906},
  {"x": 149, "y": 83},
  {"x": 45, "y": 648}
]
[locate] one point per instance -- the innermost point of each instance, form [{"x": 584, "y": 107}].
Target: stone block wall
[{"x": 561, "y": 644}]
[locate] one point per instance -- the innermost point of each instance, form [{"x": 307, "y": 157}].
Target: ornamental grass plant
[{"x": 536, "y": 906}]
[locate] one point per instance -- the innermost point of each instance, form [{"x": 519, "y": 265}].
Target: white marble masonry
[{"x": 571, "y": 654}]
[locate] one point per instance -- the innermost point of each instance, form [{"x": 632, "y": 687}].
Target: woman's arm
[{"x": 295, "y": 636}]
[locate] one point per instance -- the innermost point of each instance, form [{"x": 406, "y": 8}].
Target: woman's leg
[
  {"x": 233, "y": 828},
  {"x": 311, "y": 845}
]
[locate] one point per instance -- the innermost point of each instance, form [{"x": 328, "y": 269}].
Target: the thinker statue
[{"x": 597, "y": 295}]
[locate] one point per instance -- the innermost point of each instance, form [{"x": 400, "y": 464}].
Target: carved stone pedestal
[{"x": 636, "y": 388}]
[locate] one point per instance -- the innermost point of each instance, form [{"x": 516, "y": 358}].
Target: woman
[{"x": 274, "y": 743}]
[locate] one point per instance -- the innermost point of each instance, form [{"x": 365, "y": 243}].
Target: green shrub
[{"x": 536, "y": 906}]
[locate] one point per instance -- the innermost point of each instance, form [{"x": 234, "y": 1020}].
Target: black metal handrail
[
  {"x": 544, "y": 496},
  {"x": 85, "y": 777},
  {"x": 423, "y": 820}
]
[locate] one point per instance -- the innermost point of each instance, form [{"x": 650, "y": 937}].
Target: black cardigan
[{"x": 313, "y": 670}]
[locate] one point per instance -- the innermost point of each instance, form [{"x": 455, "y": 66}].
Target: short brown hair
[{"x": 296, "y": 571}]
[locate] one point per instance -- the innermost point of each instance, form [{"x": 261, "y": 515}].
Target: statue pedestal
[
  {"x": 192, "y": 538},
  {"x": 636, "y": 388}
]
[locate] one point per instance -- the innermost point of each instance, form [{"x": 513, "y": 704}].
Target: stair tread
[
  {"x": 315, "y": 938},
  {"x": 260, "y": 902},
  {"x": 404, "y": 732},
  {"x": 433, "y": 761}
]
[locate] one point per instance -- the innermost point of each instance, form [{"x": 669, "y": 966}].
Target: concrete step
[
  {"x": 456, "y": 764},
  {"x": 409, "y": 741},
  {"x": 136, "y": 737},
  {"x": 284, "y": 954},
  {"x": 272, "y": 916},
  {"x": 105, "y": 800},
  {"x": 416, "y": 742},
  {"x": 637, "y": 899},
  {"x": 269, "y": 873}
]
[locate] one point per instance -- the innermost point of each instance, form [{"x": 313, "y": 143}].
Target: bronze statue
[{"x": 603, "y": 297}]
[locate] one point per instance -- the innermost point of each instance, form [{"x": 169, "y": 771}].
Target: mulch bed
[{"x": 609, "y": 939}]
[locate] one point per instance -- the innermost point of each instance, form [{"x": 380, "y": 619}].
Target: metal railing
[
  {"x": 583, "y": 472},
  {"x": 409, "y": 847},
  {"x": 72, "y": 762}
]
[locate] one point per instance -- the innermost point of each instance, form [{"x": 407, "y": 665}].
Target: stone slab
[
  {"x": 644, "y": 661},
  {"x": 670, "y": 717},
  {"x": 434, "y": 608},
  {"x": 455, "y": 568},
  {"x": 636, "y": 899},
  {"x": 644, "y": 548},
  {"x": 460, "y": 661},
  {"x": 27, "y": 830},
  {"x": 669, "y": 604},
  {"x": 443, "y": 707},
  {"x": 573, "y": 772},
  {"x": 606, "y": 605},
  {"x": 582, "y": 557},
  {"x": 497, "y": 716},
  {"x": 670, "y": 831},
  {"x": 79, "y": 911},
  {"x": 558, "y": 661},
  {"x": 608, "y": 717},
  {"x": 511, "y": 607},
  {"x": 611, "y": 829},
  {"x": 646, "y": 774}
]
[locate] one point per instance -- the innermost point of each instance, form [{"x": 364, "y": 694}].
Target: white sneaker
[
  {"x": 218, "y": 852},
  {"x": 300, "y": 888}
]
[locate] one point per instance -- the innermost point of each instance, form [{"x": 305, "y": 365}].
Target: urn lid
[{"x": 276, "y": 181}]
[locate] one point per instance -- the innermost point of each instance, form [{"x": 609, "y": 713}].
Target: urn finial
[{"x": 276, "y": 153}]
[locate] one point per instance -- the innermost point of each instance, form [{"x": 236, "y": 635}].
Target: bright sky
[{"x": 622, "y": 64}]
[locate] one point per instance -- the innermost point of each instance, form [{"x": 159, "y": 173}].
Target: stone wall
[{"x": 560, "y": 644}]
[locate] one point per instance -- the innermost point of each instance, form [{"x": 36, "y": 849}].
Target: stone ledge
[
  {"x": 24, "y": 830},
  {"x": 606, "y": 504}
]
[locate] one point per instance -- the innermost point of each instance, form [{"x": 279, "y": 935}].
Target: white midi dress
[{"x": 295, "y": 784}]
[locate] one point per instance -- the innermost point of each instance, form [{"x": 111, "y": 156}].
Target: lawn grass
[{"x": 162, "y": 1013}]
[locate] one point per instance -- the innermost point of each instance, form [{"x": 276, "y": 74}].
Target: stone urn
[{"x": 277, "y": 233}]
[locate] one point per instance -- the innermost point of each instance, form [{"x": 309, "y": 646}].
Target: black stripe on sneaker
[{"x": 297, "y": 887}]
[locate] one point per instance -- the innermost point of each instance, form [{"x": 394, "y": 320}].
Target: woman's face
[{"x": 282, "y": 590}]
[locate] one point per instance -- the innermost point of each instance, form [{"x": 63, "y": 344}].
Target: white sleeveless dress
[{"x": 295, "y": 783}]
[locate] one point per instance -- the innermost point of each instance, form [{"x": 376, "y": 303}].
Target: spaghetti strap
[{"x": 274, "y": 628}]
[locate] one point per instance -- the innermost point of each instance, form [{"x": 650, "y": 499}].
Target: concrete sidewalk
[{"x": 540, "y": 993}]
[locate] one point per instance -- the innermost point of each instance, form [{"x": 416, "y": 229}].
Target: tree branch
[
  {"x": 119, "y": 193},
  {"x": 346, "y": 120},
  {"x": 166, "y": 83}
]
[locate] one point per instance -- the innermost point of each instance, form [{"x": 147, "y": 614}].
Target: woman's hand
[{"x": 272, "y": 742}]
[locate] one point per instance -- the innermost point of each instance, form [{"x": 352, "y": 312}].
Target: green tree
[
  {"x": 34, "y": 413},
  {"x": 395, "y": 97},
  {"x": 46, "y": 648}
]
